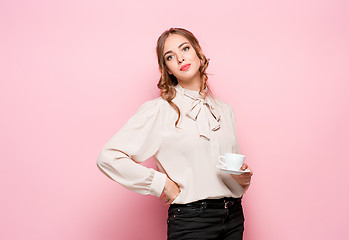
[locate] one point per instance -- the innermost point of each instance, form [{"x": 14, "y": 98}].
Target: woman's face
[{"x": 180, "y": 58}]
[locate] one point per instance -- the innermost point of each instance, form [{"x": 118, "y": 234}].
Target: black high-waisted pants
[{"x": 206, "y": 219}]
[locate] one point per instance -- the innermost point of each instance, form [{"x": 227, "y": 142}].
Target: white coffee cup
[{"x": 232, "y": 161}]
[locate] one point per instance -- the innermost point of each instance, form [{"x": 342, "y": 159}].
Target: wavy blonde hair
[{"x": 167, "y": 82}]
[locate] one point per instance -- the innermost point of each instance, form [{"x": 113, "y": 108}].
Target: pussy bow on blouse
[
  {"x": 202, "y": 111},
  {"x": 187, "y": 154}
]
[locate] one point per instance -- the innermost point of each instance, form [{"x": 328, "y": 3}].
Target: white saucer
[{"x": 232, "y": 171}]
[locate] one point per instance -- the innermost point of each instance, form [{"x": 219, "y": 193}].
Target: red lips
[{"x": 185, "y": 67}]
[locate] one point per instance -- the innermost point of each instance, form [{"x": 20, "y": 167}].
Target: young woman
[{"x": 186, "y": 129}]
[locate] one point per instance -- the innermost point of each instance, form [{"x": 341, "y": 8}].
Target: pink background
[{"x": 73, "y": 72}]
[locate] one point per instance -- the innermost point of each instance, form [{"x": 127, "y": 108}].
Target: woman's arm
[
  {"x": 138, "y": 140},
  {"x": 244, "y": 180}
]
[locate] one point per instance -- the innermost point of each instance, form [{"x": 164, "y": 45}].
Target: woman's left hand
[{"x": 244, "y": 179}]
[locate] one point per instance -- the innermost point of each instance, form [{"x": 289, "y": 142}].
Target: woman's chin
[{"x": 187, "y": 76}]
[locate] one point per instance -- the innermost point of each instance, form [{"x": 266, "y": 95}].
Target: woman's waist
[{"x": 223, "y": 202}]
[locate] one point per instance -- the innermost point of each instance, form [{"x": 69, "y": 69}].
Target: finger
[
  {"x": 240, "y": 176},
  {"x": 235, "y": 176},
  {"x": 245, "y": 175},
  {"x": 171, "y": 200},
  {"x": 247, "y": 179},
  {"x": 168, "y": 201},
  {"x": 246, "y": 184},
  {"x": 163, "y": 197},
  {"x": 244, "y": 166}
]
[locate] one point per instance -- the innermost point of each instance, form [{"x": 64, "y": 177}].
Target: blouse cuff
[{"x": 158, "y": 183}]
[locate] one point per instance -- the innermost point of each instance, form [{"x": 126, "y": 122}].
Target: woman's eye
[
  {"x": 169, "y": 58},
  {"x": 186, "y": 49}
]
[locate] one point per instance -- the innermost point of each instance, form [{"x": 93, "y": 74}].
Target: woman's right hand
[{"x": 170, "y": 192}]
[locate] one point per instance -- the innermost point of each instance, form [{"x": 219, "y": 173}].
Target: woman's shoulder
[
  {"x": 153, "y": 105},
  {"x": 155, "y": 102}
]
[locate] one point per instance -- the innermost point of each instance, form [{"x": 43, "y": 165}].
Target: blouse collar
[
  {"x": 202, "y": 111},
  {"x": 193, "y": 93}
]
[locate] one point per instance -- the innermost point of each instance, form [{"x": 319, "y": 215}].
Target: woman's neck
[{"x": 193, "y": 84}]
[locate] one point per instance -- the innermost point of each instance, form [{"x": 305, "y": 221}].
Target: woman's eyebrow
[{"x": 180, "y": 45}]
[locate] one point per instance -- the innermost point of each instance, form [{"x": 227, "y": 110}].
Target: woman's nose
[{"x": 180, "y": 59}]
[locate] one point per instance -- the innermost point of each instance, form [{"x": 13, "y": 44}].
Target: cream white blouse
[{"x": 188, "y": 154}]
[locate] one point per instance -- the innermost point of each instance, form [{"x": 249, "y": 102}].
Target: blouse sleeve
[
  {"x": 138, "y": 140},
  {"x": 237, "y": 147}
]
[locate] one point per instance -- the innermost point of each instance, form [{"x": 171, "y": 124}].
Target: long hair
[{"x": 167, "y": 82}]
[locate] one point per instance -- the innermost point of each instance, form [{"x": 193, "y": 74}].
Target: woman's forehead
[{"x": 173, "y": 41}]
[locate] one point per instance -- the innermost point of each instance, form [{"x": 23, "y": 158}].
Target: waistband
[{"x": 210, "y": 203}]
